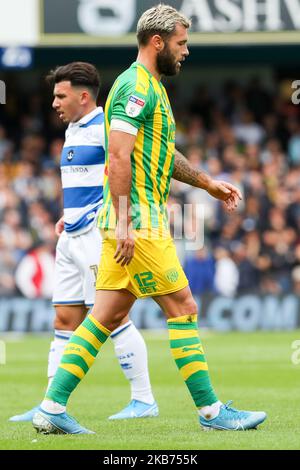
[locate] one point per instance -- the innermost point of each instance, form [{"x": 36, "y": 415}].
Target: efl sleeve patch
[{"x": 134, "y": 106}]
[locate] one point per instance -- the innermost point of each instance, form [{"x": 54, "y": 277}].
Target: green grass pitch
[{"x": 253, "y": 369}]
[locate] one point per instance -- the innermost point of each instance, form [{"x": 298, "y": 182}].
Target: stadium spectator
[
  {"x": 200, "y": 271},
  {"x": 296, "y": 279},
  {"x": 227, "y": 275},
  {"x": 7, "y": 268},
  {"x": 294, "y": 142},
  {"x": 34, "y": 275}
]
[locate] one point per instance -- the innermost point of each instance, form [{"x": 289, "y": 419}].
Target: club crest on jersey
[
  {"x": 134, "y": 106},
  {"x": 70, "y": 155}
]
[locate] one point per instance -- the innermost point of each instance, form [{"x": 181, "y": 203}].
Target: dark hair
[{"x": 79, "y": 74}]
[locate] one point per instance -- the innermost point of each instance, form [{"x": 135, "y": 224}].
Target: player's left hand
[
  {"x": 226, "y": 192},
  {"x": 125, "y": 243}
]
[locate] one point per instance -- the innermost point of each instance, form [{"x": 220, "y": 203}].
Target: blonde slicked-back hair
[{"x": 161, "y": 19}]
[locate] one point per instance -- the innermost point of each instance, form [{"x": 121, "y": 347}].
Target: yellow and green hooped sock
[
  {"x": 189, "y": 356},
  {"x": 79, "y": 355}
]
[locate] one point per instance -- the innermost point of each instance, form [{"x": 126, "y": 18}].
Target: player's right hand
[
  {"x": 125, "y": 244},
  {"x": 226, "y": 192},
  {"x": 59, "y": 226}
]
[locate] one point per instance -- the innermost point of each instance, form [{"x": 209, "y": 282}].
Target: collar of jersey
[
  {"x": 88, "y": 117},
  {"x": 145, "y": 68}
]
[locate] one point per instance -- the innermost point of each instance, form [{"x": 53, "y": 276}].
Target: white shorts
[{"x": 76, "y": 266}]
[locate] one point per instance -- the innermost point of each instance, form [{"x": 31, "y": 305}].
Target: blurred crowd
[{"x": 246, "y": 134}]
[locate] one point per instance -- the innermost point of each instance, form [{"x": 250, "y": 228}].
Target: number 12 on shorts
[{"x": 146, "y": 283}]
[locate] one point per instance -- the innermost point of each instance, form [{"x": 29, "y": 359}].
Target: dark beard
[{"x": 165, "y": 62}]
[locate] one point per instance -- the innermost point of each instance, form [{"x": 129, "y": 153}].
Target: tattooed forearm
[{"x": 184, "y": 172}]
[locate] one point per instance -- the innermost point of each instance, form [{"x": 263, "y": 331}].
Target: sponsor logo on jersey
[
  {"x": 74, "y": 169},
  {"x": 134, "y": 106},
  {"x": 70, "y": 155}
]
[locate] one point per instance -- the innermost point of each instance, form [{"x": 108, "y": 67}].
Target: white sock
[
  {"x": 61, "y": 337},
  {"x": 52, "y": 407},
  {"x": 131, "y": 351},
  {"x": 211, "y": 411}
]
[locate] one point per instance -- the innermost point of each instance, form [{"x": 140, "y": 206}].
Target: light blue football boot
[
  {"x": 27, "y": 416},
  {"x": 230, "y": 419},
  {"x": 47, "y": 423},
  {"x": 137, "y": 409}
]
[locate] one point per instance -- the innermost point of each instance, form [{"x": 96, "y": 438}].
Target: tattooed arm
[
  {"x": 185, "y": 173},
  {"x": 222, "y": 190}
]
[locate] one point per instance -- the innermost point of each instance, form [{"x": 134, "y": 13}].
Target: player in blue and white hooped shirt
[{"x": 76, "y": 87}]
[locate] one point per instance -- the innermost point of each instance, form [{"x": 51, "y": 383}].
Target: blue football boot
[
  {"x": 137, "y": 409},
  {"x": 47, "y": 423},
  {"x": 230, "y": 419},
  {"x": 27, "y": 416}
]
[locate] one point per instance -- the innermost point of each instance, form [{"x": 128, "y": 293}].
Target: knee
[
  {"x": 67, "y": 319},
  {"x": 63, "y": 323},
  {"x": 113, "y": 321},
  {"x": 116, "y": 321}
]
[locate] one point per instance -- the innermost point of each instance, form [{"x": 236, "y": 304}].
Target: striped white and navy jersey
[{"x": 82, "y": 171}]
